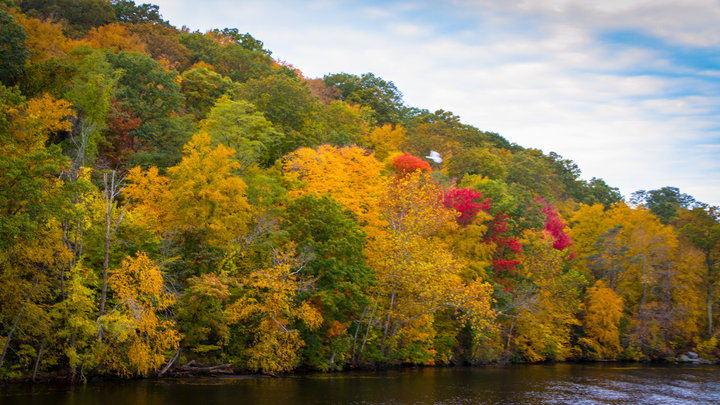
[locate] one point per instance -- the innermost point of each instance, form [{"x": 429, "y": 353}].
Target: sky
[{"x": 627, "y": 89}]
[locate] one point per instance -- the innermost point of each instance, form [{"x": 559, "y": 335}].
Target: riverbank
[{"x": 193, "y": 370}]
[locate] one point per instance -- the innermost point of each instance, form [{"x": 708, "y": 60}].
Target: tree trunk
[
  {"x": 37, "y": 361},
  {"x": 389, "y": 317},
  {"x": 108, "y": 197},
  {"x": 709, "y": 302},
  {"x": 112, "y": 189}
]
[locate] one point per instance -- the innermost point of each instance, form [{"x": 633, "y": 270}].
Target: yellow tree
[
  {"x": 45, "y": 38},
  {"x": 601, "y": 323},
  {"x": 114, "y": 37},
  {"x": 386, "y": 139},
  {"x": 268, "y": 313},
  {"x": 547, "y": 307},
  {"x": 350, "y": 175},
  {"x": 417, "y": 274},
  {"x": 139, "y": 339},
  {"x": 31, "y": 124},
  {"x": 587, "y": 226},
  {"x": 657, "y": 277},
  {"x": 201, "y": 195},
  {"x": 33, "y": 200}
]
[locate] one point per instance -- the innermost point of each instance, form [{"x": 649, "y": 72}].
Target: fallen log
[{"x": 193, "y": 368}]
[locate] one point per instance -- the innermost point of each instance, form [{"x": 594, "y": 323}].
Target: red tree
[
  {"x": 555, "y": 226},
  {"x": 408, "y": 163},
  {"x": 467, "y": 202}
]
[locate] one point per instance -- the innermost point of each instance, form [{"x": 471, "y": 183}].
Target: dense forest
[{"x": 170, "y": 196}]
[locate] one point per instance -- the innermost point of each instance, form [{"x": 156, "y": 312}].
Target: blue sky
[{"x": 628, "y": 89}]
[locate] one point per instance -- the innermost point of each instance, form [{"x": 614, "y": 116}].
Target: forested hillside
[{"x": 169, "y": 195}]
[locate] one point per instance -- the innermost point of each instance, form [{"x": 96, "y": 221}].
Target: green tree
[
  {"x": 129, "y": 12},
  {"x": 13, "y": 51},
  {"x": 200, "y": 48},
  {"x": 241, "y": 64},
  {"x": 597, "y": 191},
  {"x": 202, "y": 87},
  {"x": 342, "y": 280},
  {"x": 78, "y": 15},
  {"x": 701, "y": 226},
  {"x": 370, "y": 91},
  {"x": 664, "y": 202},
  {"x": 33, "y": 202},
  {"x": 90, "y": 92},
  {"x": 287, "y": 103},
  {"x": 237, "y": 125},
  {"x": 233, "y": 36},
  {"x": 153, "y": 95}
]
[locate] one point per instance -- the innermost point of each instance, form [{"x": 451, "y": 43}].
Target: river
[{"x": 604, "y": 383}]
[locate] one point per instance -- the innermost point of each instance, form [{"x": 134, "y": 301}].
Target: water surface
[{"x": 606, "y": 383}]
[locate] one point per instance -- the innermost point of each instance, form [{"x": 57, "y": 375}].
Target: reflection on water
[{"x": 516, "y": 384}]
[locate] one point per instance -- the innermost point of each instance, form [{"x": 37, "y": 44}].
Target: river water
[{"x": 605, "y": 383}]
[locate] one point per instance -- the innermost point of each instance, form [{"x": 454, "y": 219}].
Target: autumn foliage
[
  {"x": 467, "y": 202},
  {"x": 555, "y": 226},
  {"x": 407, "y": 163},
  {"x": 170, "y": 197}
]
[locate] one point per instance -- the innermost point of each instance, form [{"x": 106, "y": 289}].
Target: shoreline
[{"x": 60, "y": 380}]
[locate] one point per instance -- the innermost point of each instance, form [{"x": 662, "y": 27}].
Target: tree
[
  {"x": 546, "y": 302},
  {"x": 337, "y": 123},
  {"x": 202, "y": 318},
  {"x": 349, "y": 175},
  {"x": 227, "y": 36},
  {"x": 128, "y": 12},
  {"x": 601, "y": 323},
  {"x": 555, "y": 226},
  {"x": 163, "y": 43},
  {"x": 152, "y": 93},
  {"x": 139, "y": 338},
  {"x": 406, "y": 164},
  {"x": 342, "y": 279},
  {"x": 114, "y": 37},
  {"x": 492, "y": 163},
  {"x": 268, "y": 313},
  {"x": 370, "y": 91},
  {"x": 386, "y": 139},
  {"x": 322, "y": 91},
  {"x": 78, "y": 15},
  {"x": 534, "y": 171},
  {"x": 32, "y": 203},
  {"x": 238, "y": 125},
  {"x": 13, "y": 52},
  {"x": 701, "y": 226},
  {"x": 664, "y": 202},
  {"x": 202, "y": 87},
  {"x": 45, "y": 39},
  {"x": 596, "y": 191},
  {"x": 286, "y": 102},
  {"x": 657, "y": 277},
  {"x": 442, "y": 131},
  {"x": 90, "y": 92},
  {"x": 467, "y": 202},
  {"x": 241, "y": 64},
  {"x": 201, "y": 194},
  {"x": 418, "y": 276}
]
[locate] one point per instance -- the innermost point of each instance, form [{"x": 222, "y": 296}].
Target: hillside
[{"x": 170, "y": 195}]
